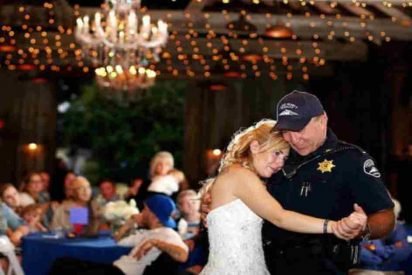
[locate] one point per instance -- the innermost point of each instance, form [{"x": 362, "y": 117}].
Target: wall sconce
[
  {"x": 213, "y": 157},
  {"x": 32, "y": 147},
  {"x": 217, "y": 87},
  {"x": 217, "y": 152}
]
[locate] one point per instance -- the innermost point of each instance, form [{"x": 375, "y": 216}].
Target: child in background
[
  {"x": 164, "y": 178},
  {"x": 188, "y": 204},
  {"x": 32, "y": 215},
  {"x": 199, "y": 244}
]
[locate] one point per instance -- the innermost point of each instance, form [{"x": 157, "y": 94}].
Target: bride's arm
[{"x": 249, "y": 188}]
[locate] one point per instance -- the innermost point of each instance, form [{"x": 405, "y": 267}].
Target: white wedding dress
[{"x": 235, "y": 239}]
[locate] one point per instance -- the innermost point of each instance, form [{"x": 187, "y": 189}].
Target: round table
[{"x": 39, "y": 250}]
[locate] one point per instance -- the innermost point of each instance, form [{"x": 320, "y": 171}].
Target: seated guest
[
  {"x": 60, "y": 185},
  {"x": 11, "y": 224},
  {"x": 188, "y": 204},
  {"x": 33, "y": 192},
  {"x": 81, "y": 198},
  {"x": 32, "y": 215},
  {"x": 68, "y": 185},
  {"x": 32, "y": 188},
  {"x": 10, "y": 196},
  {"x": 45, "y": 177},
  {"x": 199, "y": 244},
  {"x": 148, "y": 244},
  {"x": 107, "y": 194}
]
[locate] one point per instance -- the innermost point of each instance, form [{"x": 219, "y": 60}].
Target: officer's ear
[
  {"x": 254, "y": 147},
  {"x": 324, "y": 119}
]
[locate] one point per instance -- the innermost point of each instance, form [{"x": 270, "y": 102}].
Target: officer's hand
[
  {"x": 340, "y": 230},
  {"x": 358, "y": 220},
  {"x": 351, "y": 226},
  {"x": 361, "y": 215}
]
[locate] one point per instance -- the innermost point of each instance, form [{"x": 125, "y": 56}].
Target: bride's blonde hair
[{"x": 238, "y": 150}]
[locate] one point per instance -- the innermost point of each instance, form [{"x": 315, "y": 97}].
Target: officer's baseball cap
[{"x": 295, "y": 110}]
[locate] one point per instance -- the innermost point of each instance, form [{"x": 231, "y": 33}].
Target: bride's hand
[{"x": 352, "y": 226}]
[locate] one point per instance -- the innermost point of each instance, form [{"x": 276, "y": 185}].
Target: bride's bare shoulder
[{"x": 236, "y": 171}]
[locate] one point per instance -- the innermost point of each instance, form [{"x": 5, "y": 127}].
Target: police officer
[{"x": 323, "y": 177}]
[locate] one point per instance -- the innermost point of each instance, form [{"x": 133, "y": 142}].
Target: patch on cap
[
  {"x": 295, "y": 110},
  {"x": 288, "y": 113},
  {"x": 288, "y": 105}
]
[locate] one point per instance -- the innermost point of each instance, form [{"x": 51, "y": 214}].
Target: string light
[{"x": 51, "y": 42}]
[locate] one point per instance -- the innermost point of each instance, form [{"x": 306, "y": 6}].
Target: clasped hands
[{"x": 351, "y": 226}]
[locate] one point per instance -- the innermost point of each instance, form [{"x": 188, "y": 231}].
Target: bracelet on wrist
[{"x": 325, "y": 226}]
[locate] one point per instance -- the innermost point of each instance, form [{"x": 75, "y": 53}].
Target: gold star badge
[{"x": 326, "y": 166}]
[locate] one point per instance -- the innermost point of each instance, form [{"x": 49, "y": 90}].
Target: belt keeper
[{"x": 325, "y": 226}]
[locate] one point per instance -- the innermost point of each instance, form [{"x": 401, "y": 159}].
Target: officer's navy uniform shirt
[{"x": 349, "y": 176}]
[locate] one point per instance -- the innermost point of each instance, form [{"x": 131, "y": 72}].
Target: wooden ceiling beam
[
  {"x": 356, "y": 10},
  {"x": 198, "y": 5},
  {"x": 401, "y": 17}
]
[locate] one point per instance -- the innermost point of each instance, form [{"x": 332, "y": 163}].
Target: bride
[{"x": 240, "y": 201}]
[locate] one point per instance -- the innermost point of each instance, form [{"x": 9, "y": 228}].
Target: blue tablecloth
[{"x": 40, "y": 250}]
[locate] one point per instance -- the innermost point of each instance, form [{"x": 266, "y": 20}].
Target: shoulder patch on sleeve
[{"x": 370, "y": 169}]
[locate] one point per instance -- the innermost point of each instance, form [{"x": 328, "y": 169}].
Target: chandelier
[
  {"x": 118, "y": 79},
  {"x": 117, "y": 43}
]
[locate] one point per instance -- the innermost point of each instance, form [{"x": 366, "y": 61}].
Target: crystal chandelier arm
[
  {"x": 86, "y": 24},
  {"x": 111, "y": 28},
  {"x": 132, "y": 25},
  {"x": 118, "y": 39},
  {"x": 122, "y": 32},
  {"x": 145, "y": 28}
]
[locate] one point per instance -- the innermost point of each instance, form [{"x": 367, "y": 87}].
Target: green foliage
[{"x": 124, "y": 137}]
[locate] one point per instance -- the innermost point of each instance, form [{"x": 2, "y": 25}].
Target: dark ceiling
[
  {"x": 150, "y": 4},
  {"x": 276, "y": 7}
]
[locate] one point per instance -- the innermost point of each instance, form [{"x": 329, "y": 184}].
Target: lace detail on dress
[{"x": 235, "y": 241}]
